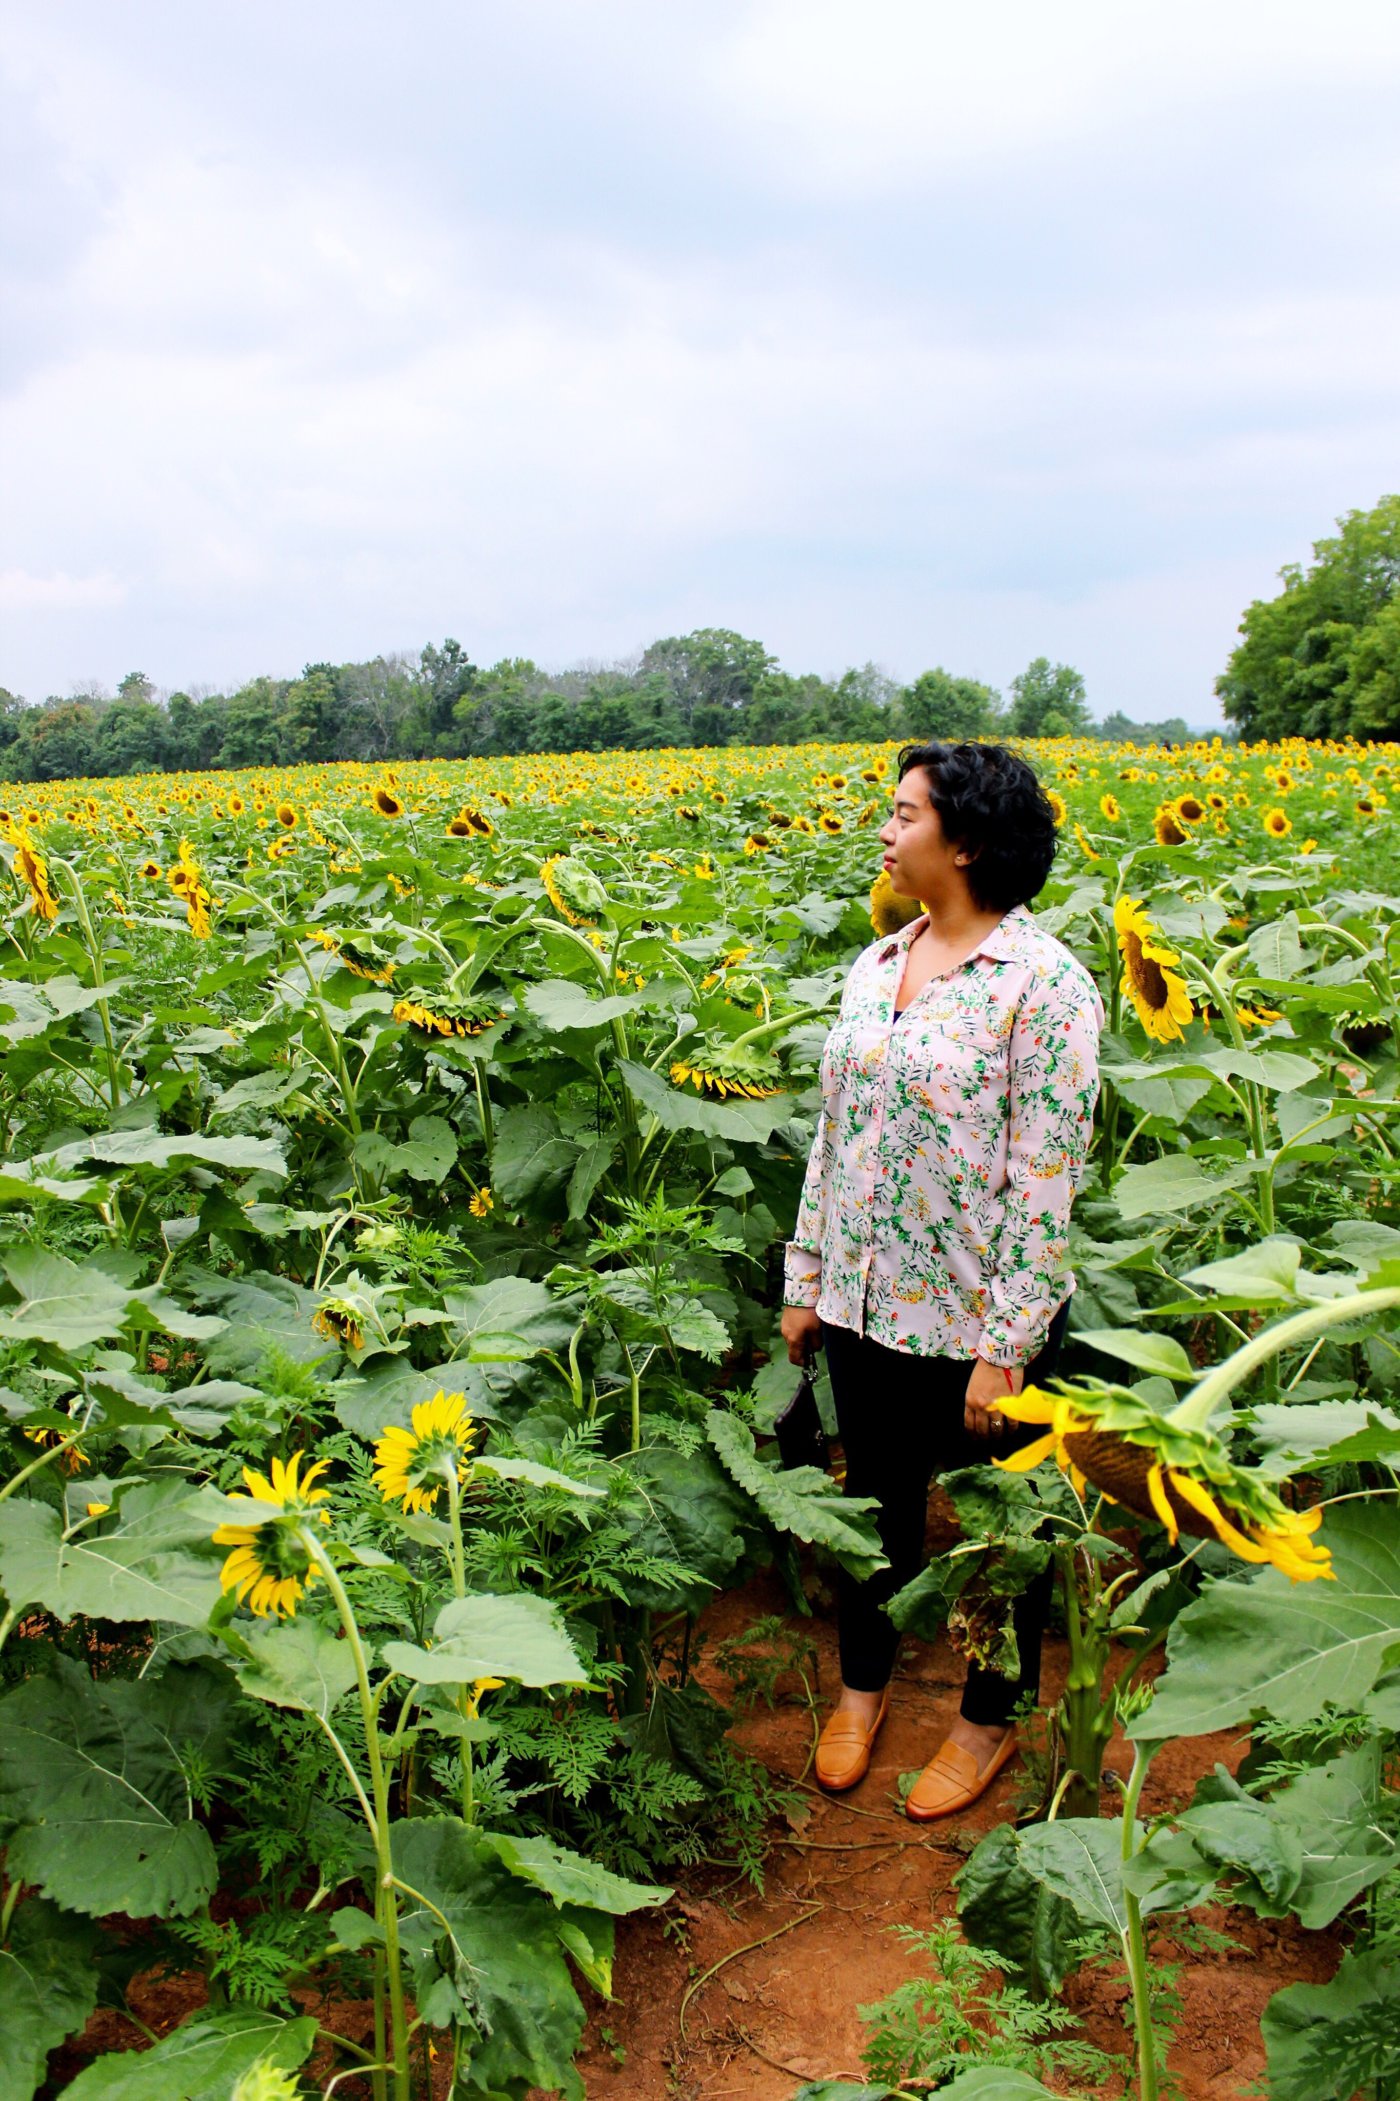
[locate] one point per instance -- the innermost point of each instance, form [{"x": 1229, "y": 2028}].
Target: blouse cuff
[{"x": 802, "y": 1276}]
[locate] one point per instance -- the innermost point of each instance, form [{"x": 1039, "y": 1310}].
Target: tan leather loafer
[
  {"x": 844, "y": 1747},
  {"x": 951, "y": 1780}
]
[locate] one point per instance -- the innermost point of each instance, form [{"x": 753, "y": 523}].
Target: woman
[{"x": 928, "y": 1260}]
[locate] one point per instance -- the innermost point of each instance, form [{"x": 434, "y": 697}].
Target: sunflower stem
[
  {"x": 1134, "y": 1943},
  {"x": 465, "y": 1704},
  {"x": 386, "y": 1903},
  {"x": 1196, "y": 1410}
]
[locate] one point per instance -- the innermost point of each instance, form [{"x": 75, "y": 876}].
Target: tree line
[
  {"x": 712, "y": 687},
  {"x": 1322, "y": 658}
]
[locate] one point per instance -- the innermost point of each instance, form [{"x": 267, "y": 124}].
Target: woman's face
[{"x": 920, "y": 860}]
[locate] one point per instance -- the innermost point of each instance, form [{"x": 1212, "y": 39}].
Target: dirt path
[{"x": 736, "y": 1996}]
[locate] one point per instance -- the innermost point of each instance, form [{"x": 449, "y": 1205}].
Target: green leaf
[
  {"x": 1078, "y": 1859},
  {"x": 531, "y": 1156},
  {"x": 201, "y": 2061},
  {"x": 1336, "y": 1812},
  {"x": 149, "y": 1148},
  {"x": 1275, "y": 1647},
  {"x": 1295, "y": 1434},
  {"x": 499, "y": 1966},
  {"x": 518, "y": 1637},
  {"x": 803, "y": 1501},
  {"x": 531, "y": 1470},
  {"x": 61, "y": 1302},
  {"x": 141, "y": 1567},
  {"x": 428, "y": 1154},
  {"x": 95, "y": 1780},
  {"x": 1177, "y": 1183},
  {"x": 681, "y": 1109},
  {"x": 1155, "y": 1353},
  {"x": 518, "y": 1307},
  {"x": 1261, "y": 1274},
  {"x": 588, "y": 1171},
  {"x": 298, "y": 1664},
  {"x": 1325, "y": 2042},
  {"x": 570, "y": 1878},
  {"x": 48, "y": 1988},
  {"x": 686, "y": 1511},
  {"x": 1172, "y": 1097},
  {"x": 994, "y": 2083},
  {"x": 559, "y": 1003},
  {"x": 1006, "y": 1910}
]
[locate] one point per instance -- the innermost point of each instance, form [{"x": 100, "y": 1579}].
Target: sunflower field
[{"x": 396, "y": 1173}]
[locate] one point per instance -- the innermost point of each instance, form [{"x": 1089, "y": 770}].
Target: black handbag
[{"x": 801, "y": 1438}]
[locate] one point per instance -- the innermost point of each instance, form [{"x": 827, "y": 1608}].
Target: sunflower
[
  {"x": 1059, "y": 808},
  {"x": 1190, "y": 809},
  {"x": 1170, "y": 1467},
  {"x": 236, "y": 806},
  {"x": 151, "y": 871},
  {"x": 573, "y": 889},
  {"x": 286, "y": 816},
  {"x": 186, "y": 879},
  {"x": 386, "y": 802},
  {"x": 889, "y": 908},
  {"x": 342, "y": 1321},
  {"x": 1157, "y": 991},
  {"x": 364, "y": 958},
  {"x": 444, "y": 1014},
  {"x": 1277, "y": 824},
  {"x": 412, "y": 1466},
  {"x": 1085, "y": 843},
  {"x": 1165, "y": 827},
  {"x": 830, "y": 823},
  {"x": 1364, "y": 807},
  {"x": 480, "y": 1202},
  {"x": 1217, "y": 802},
  {"x": 33, "y": 870},
  {"x": 72, "y": 1459},
  {"x": 717, "y": 1069},
  {"x": 1108, "y": 806},
  {"x": 270, "y": 1567}
]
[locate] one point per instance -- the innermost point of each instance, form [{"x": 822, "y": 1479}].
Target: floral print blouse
[{"x": 935, "y": 1212}]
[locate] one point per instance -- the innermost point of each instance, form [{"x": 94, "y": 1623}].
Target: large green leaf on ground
[
  {"x": 802, "y": 1500},
  {"x": 298, "y": 1664},
  {"x": 201, "y": 2061},
  {"x": 518, "y": 1637},
  {"x": 96, "y": 1780},
  {"x": 567, "y": 1877},
  {"x": 498, "y": 1968},
  {"x": 48, "y": 1988},
  {"x": 1015, "y": 1917},
  {"x": 1275, "y": 1647},
  {"x": 1328, "y": 2042},
  {"x": 149, "y": 1562}
]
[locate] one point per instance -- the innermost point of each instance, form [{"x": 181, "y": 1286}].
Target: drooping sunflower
[
  {"x": 33, "y": 871},
  {"x": 573, "y": 889},
  {"x": 270, "y": 1567},
  {"x": 364, "y": 958},
  {"x": 413, "y": 1466},
  {"x": 1169, "y": 1467},
  {"x": 1155, "y": 989},
  {"x": 1085, "y": 843},
  {"x": 449, "y": 1014},
  {"x": 342, "y": 1321},
  {"x": 716, "y": 1069},
  {"x": 186, "y": 879},
  {"x": 830, "y": 823},
  {"x": 1277, "y": 823},
  {"x": 1166, "y": 830},
  {"x": 481, "y": 1201},
  {"x": 386, "y": 801},
  {"x": 1059, "y": 808},
  {"x": 1108, "y": 805},
  {"x": 889, "y": 908}
]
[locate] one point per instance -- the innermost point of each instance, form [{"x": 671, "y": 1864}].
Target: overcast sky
[{"x": 915, "y": 332}]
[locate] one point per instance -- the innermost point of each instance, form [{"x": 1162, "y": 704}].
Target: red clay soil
[
  {"x": 729, "y": 1995},
  {"x": 792, "y": 1966}
]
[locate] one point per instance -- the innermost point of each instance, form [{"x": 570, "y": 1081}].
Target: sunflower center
[{"x": 1146, "y": 974}]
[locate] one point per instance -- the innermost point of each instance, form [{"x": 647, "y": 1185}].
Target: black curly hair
[{"x": 991, "y": 803}]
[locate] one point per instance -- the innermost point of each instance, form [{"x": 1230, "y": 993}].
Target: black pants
[{"x": 900, "y": 1420}]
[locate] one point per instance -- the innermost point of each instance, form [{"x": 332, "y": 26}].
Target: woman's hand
[
  {"x": 986, "y": 1390},
  {"x": 801, "y": 1330}
]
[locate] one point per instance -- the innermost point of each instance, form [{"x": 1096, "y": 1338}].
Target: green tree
[
  {"x": 1045, "y": 689},
  {"x": 12, "y": 712},
  {"x": 58, "y": 741},
  {"x": 713, "y": 674},
  {"x": 133, "y": 736},
  {"x": 957, "y": 710},
  {"x": 1322, "y": 659}
]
